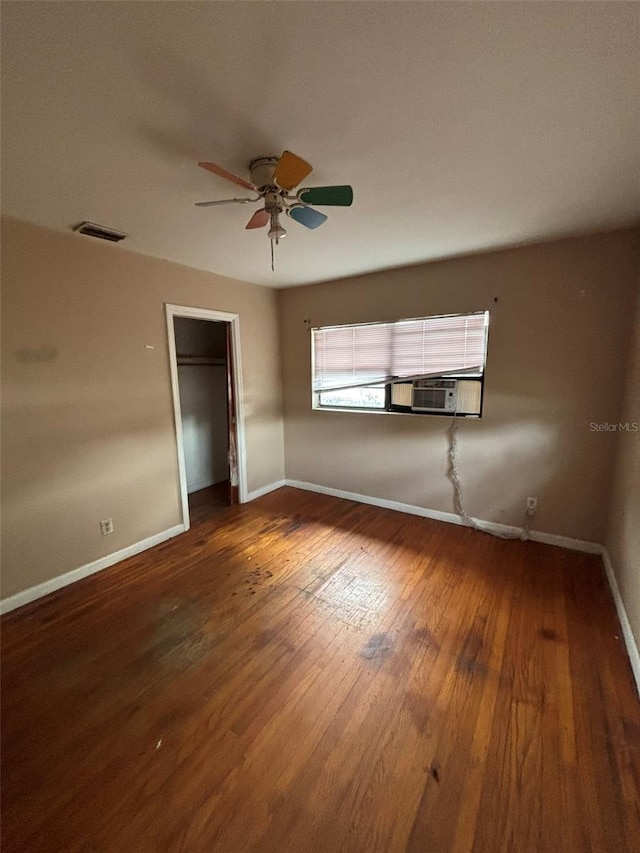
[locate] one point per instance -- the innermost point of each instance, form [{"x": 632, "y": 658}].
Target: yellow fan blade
[{"x": 290, "y": 170}]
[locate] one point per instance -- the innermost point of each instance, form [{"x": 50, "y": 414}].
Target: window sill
[{"x": 353, "y": 410}]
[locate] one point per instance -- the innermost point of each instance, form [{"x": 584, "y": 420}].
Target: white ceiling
[{"x": 461, "y": 126}]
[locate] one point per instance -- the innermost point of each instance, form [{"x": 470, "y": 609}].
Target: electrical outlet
[
  {"x": 106, "y": 526},
  {"x": 532, "y": 506}
]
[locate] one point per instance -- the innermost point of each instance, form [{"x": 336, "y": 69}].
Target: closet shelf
[{"x": 201, "y": 359}]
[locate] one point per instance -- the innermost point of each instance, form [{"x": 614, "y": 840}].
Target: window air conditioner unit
[{"x": 434, "y": 395}]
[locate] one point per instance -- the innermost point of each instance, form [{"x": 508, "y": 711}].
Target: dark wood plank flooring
[
  {"x": 309, "y": 674},
  {"x": 205, "y": 503}
]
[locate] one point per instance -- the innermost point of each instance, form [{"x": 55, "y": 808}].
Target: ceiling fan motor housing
[{"x": 261, "y": 171}]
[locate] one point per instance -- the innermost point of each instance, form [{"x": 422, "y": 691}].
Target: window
[
  {"x": 429, "y": 365},
  {"x": 364, "y": 397}
]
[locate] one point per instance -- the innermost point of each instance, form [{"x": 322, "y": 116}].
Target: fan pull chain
[{"x": 273, "y": 269}]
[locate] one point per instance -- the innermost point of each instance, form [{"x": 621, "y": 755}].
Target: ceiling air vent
[{"x": 99, "y": 231}]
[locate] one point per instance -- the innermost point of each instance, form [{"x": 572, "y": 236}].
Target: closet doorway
[{"x": 205, "y": 376}]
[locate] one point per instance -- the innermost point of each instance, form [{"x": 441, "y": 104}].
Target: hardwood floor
[
  {"x": 204, "y": 503},
  {"x": 309, "y": 674}
]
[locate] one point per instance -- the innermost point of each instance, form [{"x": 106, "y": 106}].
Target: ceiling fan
[{"x": 272, "y": 179}]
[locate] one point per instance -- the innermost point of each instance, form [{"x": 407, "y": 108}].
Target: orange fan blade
[
  {"x": 290, "y": 170},
  {"x": 229, "y": 176},
  {"x": 259, "y": 219}
]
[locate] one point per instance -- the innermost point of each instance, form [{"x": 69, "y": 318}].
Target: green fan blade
[{"x": 342, "y": 196}]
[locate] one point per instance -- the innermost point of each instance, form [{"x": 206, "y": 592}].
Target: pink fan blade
[
  {"x": 229, "y": 176},
  {"x": 259, "y": 219}
]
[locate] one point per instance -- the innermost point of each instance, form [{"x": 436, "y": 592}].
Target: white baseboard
[
  {"x": 42, "y": 589},
  {"x": 452, "y": 518},
  {"x": 264, "y": 490},
  {"x": 627, "y": 633},
  {"x": 583, "y": 545}
]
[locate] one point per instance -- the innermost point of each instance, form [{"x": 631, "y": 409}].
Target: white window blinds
[{"x": 348, "y": 356}]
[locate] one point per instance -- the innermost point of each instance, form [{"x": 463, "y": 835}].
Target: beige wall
[
  {"x": 623, "y": 535},
  {"x": 558, "y": 342},
  {"x": 87, "y": 415},
  {"x": 88, "y": 429}
]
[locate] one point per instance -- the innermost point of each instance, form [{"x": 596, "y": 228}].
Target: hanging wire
[{"x": 454, "y": 475}]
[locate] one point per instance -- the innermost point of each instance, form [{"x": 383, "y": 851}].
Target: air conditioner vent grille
[
  {"x": 434, "y": 395},
  {"x": 99, "y": 231}
]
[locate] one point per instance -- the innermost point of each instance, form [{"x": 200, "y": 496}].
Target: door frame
[{"x": 236, "y": 378}]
